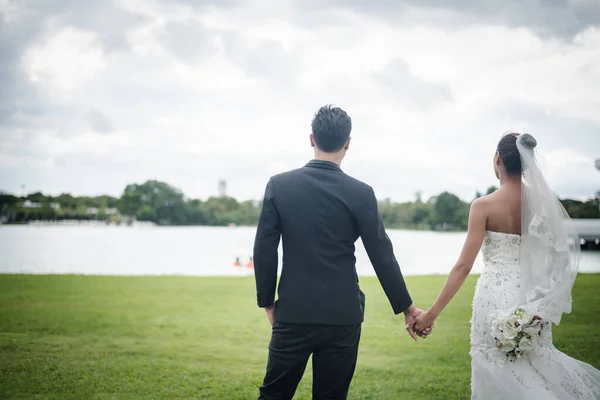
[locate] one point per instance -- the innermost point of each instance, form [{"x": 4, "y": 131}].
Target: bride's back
[{"x": 504, "y": 209}]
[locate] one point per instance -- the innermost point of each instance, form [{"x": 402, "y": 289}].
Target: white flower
[
  {"x": 525, "y": 345},
  {"x": 506, "y": 344},
  {"x": 515, "y": 332},
  {"x": 533, "y": 328},
  {"x": 526, "y": 317},
  {"x": 511, "y": 327}
]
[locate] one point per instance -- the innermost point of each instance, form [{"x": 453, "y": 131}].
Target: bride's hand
[
  {"x": 423, "y": 321},
  {"x": 409, "y": 319}
]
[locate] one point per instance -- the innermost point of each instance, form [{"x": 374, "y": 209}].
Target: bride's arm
[{"x": 462, "y": 268}]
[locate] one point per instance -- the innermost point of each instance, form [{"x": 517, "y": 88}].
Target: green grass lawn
[{"x": 77, "y": 337}]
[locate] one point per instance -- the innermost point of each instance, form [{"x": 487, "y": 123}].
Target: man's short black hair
[{"x": 331, "y": 128}]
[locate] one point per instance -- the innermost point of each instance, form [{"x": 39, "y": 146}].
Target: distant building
[
  {"x": 111, "y": 211},
  {"x": 31, "y": 204},
  {"x": 222, "y": 188},
  {"x": 91, "y": 211},
  {"x": 55, "y": 206}
]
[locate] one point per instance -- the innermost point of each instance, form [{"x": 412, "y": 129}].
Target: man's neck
[{"x": 335, "y": 158}]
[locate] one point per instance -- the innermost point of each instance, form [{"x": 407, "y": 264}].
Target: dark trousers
[{"x": 334, "y": 352}]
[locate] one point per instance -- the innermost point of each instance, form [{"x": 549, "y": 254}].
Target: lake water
[{"x": 196, "y": 251}]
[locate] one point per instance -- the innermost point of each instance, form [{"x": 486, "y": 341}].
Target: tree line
[{"x": 163, "y": 204}]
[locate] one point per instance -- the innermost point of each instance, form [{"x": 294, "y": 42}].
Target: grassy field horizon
[{"x": 176, "y": 337}]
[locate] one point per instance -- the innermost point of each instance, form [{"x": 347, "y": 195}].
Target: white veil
[{"x": 550, "y": 249}]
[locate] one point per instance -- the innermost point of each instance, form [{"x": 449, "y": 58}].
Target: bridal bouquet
[{"x": 515, "y": 332}]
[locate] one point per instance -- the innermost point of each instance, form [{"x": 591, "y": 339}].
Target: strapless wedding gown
[{"x": 545, "y": 373}]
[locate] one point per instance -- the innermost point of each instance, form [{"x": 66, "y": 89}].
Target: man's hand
[
  {"x": 410, "y": 314},
  {"x": 423, "y": 321},
  {"x": 270, "y": 310}
]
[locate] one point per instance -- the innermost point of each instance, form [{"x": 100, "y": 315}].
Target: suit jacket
[{"x": 320, "y": 212}]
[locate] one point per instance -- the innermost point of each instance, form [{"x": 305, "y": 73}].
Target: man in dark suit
[{"x": 320, "y": 212}]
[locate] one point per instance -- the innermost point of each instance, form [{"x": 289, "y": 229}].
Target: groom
[{"x": 320, "y": 212}]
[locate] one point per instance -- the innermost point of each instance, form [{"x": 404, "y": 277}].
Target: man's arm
[
  {"x": 381, "y": 253},
  {"x": 266, "y": 244}
]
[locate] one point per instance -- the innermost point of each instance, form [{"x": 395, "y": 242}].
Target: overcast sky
[{"x": 99, "y": 94}]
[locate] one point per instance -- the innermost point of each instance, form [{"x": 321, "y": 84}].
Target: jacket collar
[{"x": 323, "y": 164}]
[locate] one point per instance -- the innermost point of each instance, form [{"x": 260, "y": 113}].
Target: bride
[{"x": 531, "y": 255}]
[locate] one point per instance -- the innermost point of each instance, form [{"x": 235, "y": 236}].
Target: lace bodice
[{"x": 501, "y": 248}]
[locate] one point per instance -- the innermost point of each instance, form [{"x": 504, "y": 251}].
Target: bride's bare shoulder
[
  {"x": 485, "y": 205},
  {"x": 485, "y": 201}
]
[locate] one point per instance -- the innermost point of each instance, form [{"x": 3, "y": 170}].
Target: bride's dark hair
[{"x": 509, "y": 153}]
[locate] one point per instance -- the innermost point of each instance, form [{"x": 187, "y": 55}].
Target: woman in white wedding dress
[{"x": 531, "y": 255}]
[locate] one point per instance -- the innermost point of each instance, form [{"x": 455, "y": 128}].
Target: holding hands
[
  {"x": 411, "y": 316},
  {"x": 423, "y": 321}
]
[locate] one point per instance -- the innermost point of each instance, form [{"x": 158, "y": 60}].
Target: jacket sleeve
[
  {"x": 381, "y": 253},
  {"x": 266, "y": 243}
]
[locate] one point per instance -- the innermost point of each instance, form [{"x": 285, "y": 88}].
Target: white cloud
[
  {"x": 568, "y": 170},
  {"x": 8, "y": 10},
  {"x": 193, "y": 93},
  {"x": 65, "y": 60},
  {"x": 277, "y": 167}
]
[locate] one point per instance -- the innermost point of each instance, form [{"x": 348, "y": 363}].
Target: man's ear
[
  {"x": 312, "y": 141},
  {"x": 347, "y": 145}
]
